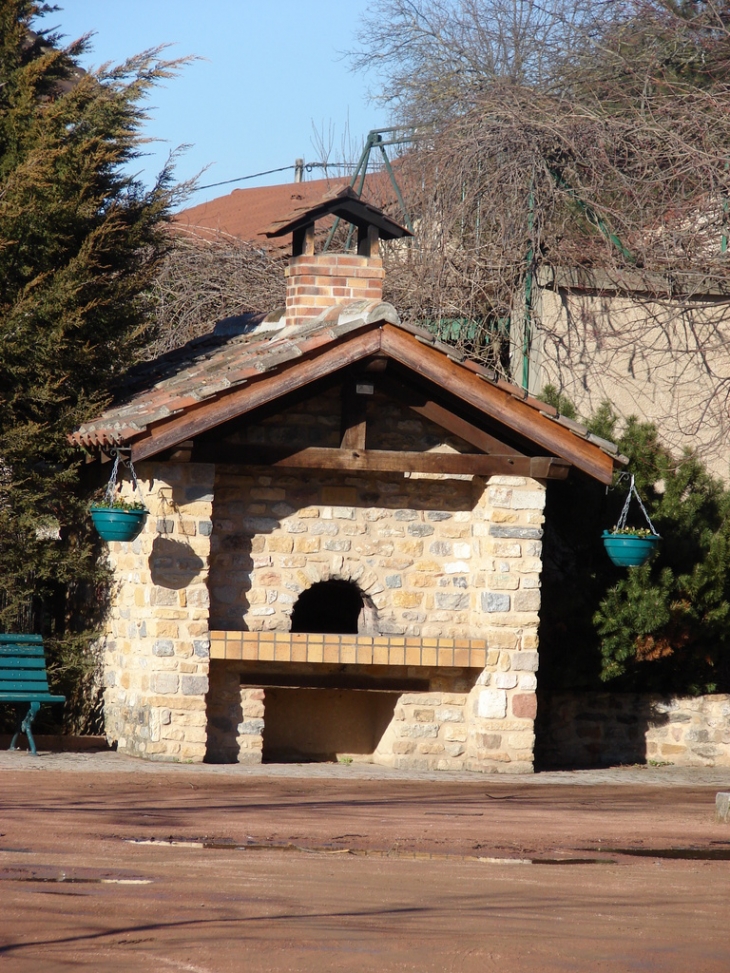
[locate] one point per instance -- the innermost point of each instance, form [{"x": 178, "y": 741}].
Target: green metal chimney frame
[{"x": 375, "y": 140}]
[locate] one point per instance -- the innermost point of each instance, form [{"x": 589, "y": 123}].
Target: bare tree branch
[{"x": 204, "y": 279}]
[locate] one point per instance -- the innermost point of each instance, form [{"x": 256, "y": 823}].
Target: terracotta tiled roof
[
  {"x": 246, "y": 213},
  {"x": 218, "y": 364}
]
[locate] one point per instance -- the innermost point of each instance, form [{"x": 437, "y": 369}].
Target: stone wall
[
  {"x": 455, "y": 558},
  {"x": 156, "y": 650},
  {"x": 444, "y": 557},
  {"x": 460, "y": 719},
  {"x": 444, "y": 563},
  {"x": 604, "y": 729}
]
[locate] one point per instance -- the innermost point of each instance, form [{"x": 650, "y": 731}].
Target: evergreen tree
[
  {"x": 663, "y": 627},
  {"x": 80, "y": 241},
  {"x": 666, "y": 625}
]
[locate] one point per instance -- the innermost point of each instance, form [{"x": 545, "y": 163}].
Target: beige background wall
[{"x": 663, "y": 361}]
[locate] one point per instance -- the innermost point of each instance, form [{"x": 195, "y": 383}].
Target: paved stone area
[
  {"x": 108, "y": 863},
  {"x": 104, "y": 761}
]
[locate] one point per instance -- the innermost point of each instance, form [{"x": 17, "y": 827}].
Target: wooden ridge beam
[
  {"x": 353, "y": 417},
  {"x": 384, "y": 461}
]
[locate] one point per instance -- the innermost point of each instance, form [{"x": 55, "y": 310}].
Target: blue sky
[{"x": 272, "y": 72}]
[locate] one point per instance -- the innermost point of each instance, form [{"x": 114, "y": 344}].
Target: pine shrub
[{"x": 662, "y": 627}]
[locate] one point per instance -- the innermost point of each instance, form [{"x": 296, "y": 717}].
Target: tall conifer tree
[{"x": 80, "y": 240}]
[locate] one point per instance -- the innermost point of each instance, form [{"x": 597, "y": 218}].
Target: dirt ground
[{"x": 111, "y": 864}]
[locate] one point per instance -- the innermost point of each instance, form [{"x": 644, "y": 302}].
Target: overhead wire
[
  {"x": 268, "y": 172},
  {"x": 226, "y": 182}
]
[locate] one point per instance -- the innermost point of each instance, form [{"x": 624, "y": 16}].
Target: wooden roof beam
[{"x": 384, "y": 461}]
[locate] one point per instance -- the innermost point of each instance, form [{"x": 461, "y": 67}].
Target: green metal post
[
  {"x": 527, "y": 319},
  {"x": 361, "y": 166},
  {"x": 375, "y": 137},
  {"x": 398, "y": 194},
  {"x": 593, "y": 217}
]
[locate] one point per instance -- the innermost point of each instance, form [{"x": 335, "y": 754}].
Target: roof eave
[{"x": 332, "y": 348}]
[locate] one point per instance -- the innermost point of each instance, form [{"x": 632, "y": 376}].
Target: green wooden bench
[{"x": 23, "y": 679}]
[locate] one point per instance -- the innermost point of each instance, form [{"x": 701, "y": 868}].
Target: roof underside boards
[{"x": 219, "y": 378}]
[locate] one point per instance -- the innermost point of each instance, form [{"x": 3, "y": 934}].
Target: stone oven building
[{"x": 343, "y": 554}]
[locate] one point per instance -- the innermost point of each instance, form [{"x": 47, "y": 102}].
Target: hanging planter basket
[
  {"x": 629, "y": 550},
  {"x": 118, "y": 523},
  {"x": 116, "y": 519},
  {"x": 630, "y": 547}
]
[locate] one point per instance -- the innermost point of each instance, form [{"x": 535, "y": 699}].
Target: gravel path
[{"x": 111, "y": 762}]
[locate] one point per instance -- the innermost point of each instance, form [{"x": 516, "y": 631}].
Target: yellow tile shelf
[{"x": 348, "y": 649}]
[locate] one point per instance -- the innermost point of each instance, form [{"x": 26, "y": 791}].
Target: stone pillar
[
  {"x": 157, "y": 647},
  {"x": 250, "y": 730},
  {"x": 503, "y": 704}
]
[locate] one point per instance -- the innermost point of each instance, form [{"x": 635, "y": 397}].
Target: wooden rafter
[
  {"x": 354, "y": 416},
  {"x": 446, "y": 419},
  {"x": 492, "y": 400}
]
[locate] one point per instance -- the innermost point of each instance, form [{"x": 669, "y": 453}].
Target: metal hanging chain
[
  {"x": 112, "y": 485},
  {"x": 625, "y": 512},
  {"x": 135, "y": 481}
]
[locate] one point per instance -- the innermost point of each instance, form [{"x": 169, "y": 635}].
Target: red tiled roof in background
[{"x": 247, "y": 213}]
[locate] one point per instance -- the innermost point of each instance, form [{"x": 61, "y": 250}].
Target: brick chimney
[
  {"x": 315, "y": 282},
  {"x": 318, "y": 281}
]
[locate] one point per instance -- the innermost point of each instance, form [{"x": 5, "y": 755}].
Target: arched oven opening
[{"x": 330, "y": 607}]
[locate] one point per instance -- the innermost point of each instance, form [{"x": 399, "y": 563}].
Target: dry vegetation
[
  {"x": 558, "y": 134},
  {"x": 204, "y": 280},
  {"x": 606, "y": 147},
  {"x": 570, "y": 135}
]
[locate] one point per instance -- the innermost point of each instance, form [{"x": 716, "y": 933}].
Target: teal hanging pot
[
  {"x": 630, "y": 547},
  {"x": 116, "y": 519},
  {"x": 118, "y": 523},
  {"x": 629, "y": 550}
]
